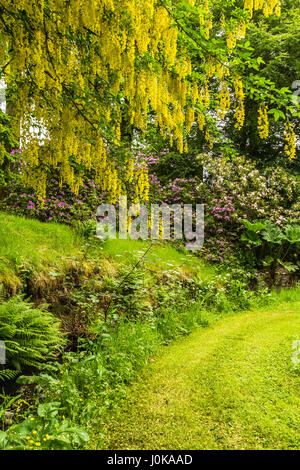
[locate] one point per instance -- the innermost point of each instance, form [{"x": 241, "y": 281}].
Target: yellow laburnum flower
[
  {"x": 239, "y": 113},
  {"x": 224, "y": 101},
  {"x": 291, "y": 140},
  {"x": 263, "y": 122}
]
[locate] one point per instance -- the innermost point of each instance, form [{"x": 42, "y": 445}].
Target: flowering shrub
[
  {"x": 59, "y": 205},
  {"x": 231, "y": 192},
  {"x": 272, "y": 194}
]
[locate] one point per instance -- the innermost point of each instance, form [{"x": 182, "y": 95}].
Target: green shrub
[
  {"x": 268, "y": 245},
  {"x": 232, "y": 189},
  {"x": 31, "y": 335}
]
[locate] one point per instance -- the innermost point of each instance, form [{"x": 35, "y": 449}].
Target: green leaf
[
  {"x": 268, "y": 260},
  {"x": 251, "y": 238},
  {"x": 272, "y": 234},
  {"x": 254, "y": 227},
  {"x": 292, "y": 233},
  {"x": 80, "y": 436},
  {"x": 48, "y": 409},
  {"x": 292, "y": 268},
  {"x": 42, "y": 379},
  {"x": 277, "y": 113},
  {"x": 3, "y": 439}
]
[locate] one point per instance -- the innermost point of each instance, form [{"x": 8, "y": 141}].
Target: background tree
[{"x": 277, "y": 41}]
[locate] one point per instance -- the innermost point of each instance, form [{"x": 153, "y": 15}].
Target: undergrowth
[
  {"x": 124, "y": 301},
  {"x": 87, "y": 383}
]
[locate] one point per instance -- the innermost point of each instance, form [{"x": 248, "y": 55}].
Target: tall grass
[{"x": 286, "y": 295}]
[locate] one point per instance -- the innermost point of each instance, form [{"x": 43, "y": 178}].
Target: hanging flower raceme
[
  {"x": 267, "y": 6},
  {"x": 224, "y": 100},
  {"x": 239, "y": 95},
  {"x": 263, "y": 122},
  {"x": 291, "y": 141},
  {"x": 77, "y": 68}
]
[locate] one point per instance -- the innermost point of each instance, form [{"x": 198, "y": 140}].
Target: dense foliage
[
  {"x": 277, "y": 41},
  {"x": 31, "y": 335},
  {"x": 79, "y": 80},
  {"x": 231, "y": 190},
  {"x": 164, "y": 102}
]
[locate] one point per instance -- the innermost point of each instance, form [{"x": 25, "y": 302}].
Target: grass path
[{"x": 229, "y": 386}]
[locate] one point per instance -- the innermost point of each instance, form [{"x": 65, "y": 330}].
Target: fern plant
[{"x": 31, "y": 335}]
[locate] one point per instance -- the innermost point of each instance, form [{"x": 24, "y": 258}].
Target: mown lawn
[{"x": 229, "y": 386}]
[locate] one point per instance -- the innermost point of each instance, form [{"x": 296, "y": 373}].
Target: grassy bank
[{"x": 36, "y": 252}]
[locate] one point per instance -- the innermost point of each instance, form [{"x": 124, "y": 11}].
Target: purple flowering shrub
[
  {"x": 230, "y": 191},
  {"x": 59, "y": 205}
]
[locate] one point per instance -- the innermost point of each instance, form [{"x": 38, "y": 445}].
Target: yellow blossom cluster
[
  {"x": 209, "y": 138},
  {"x": 142, "y": 187},
  {"x": 239, "y": 107},
  {"x": 70, "y": 62},
  {"x": 291, "y": 141},
  {"x": 130, "y": 170},
  {"x": 138, "y": 172},
  {"x": 263, "y": 122},
  {"x": 224, "y": 100},
  {"x": 231, "y": 40},
  {"x": 267, "y": 6},
  {"x": 201, "y": 120}
]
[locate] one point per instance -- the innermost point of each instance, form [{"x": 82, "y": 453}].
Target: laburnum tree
[
  {"x": 81, "y": 74},
  {"x": 277, "y": 41}
]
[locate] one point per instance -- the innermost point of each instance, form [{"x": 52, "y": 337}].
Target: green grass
[
  {"x": 229, "y": 386},
  {"x": 160, "y": 257},
  {"x": 286, "y": 295},
  {"x": 33, "y": 246},
  {"x": 30, "y": 244}
]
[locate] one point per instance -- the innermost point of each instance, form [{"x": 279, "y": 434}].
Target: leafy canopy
[{"x": 75, "y": 70}]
